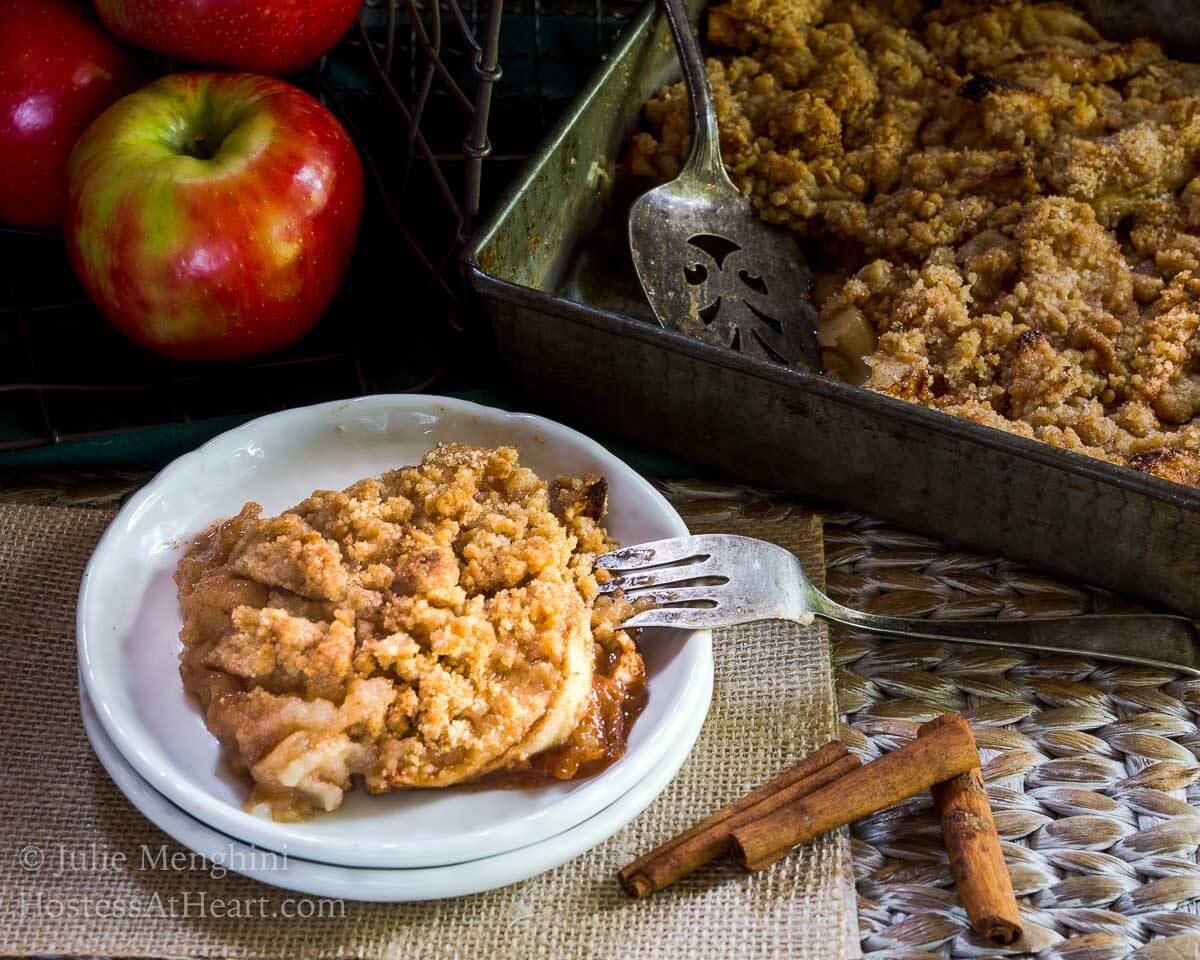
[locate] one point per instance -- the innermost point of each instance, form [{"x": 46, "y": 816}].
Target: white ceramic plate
[
  {"x": 362, "y": 883},
  {"x": 129, "y": 619}
]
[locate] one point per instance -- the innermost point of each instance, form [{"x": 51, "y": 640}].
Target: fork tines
[{"x": 677, "y": 576}]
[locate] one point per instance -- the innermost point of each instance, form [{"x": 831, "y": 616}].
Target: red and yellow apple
[
  {"x": 58, "y": 71},
  {"x": 266, "y": 36},
  {"x": 212, "y": 216}
]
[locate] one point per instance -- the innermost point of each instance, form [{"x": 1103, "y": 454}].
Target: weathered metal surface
[{"x": 760, "y": 422}]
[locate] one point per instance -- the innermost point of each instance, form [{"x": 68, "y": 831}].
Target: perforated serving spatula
[{"x": 708, "y": 265}]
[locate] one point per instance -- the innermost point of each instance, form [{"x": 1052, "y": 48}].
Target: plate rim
[
  {"x": 235, "y": 822},
  {"x": 387, "y": 884}
]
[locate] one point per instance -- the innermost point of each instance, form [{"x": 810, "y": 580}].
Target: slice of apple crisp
[{"x": 420, "y": 629}]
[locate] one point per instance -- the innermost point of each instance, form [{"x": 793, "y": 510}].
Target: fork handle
[{"x": 1150, "y": 639}]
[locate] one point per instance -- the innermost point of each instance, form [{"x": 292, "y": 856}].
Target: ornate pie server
[{"x": 708, "y": 265}]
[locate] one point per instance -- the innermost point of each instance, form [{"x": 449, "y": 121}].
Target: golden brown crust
[
  {"x": 1002, "y": 208},
  {"x": 419, "y": 629}
]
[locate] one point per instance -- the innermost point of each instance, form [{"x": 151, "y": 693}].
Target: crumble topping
[
  {"x": 1002, "y": 209},
  {"x": 419, "y": 629}
]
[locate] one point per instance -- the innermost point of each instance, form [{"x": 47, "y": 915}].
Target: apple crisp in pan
[
  {"x": 425, "y": 628},
  {"x": 1002, "y": 208}
]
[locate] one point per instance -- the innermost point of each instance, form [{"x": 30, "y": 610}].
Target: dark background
[{"x": 73, "y": 392}]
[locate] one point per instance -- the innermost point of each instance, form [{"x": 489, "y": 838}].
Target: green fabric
[{"x": 158, "y": 446}]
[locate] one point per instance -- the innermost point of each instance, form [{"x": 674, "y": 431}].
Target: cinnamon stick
[
  {"x": 976, "y": 860},
  {"x": 947, "y": 750},
  {"x": 709, "y": 839}
]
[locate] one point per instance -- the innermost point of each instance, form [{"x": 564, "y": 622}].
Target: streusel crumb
[
  {"x": 1002, "y": 208},
  {"x": 419, "y": 629}
]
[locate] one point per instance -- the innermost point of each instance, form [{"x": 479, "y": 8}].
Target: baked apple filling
[{"x": 425, "y": 628}]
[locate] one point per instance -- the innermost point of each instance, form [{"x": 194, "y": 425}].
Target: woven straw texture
[
  {"x": 1090, "y": 767},
  {"x": 773, "y": 702}
]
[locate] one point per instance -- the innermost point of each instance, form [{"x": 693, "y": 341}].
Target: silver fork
[{"x": 721, "y": 580}]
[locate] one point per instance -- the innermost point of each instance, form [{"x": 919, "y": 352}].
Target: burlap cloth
[{"x": 773, "y": 701}]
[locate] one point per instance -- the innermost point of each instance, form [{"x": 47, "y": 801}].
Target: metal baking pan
[{"x": 553, "y": 267}]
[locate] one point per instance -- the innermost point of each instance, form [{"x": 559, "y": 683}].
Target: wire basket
[{"x": 444, "y": 99}]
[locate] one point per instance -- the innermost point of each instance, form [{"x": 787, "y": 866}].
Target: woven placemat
[
  {"x": 64, "y": 829},
  {"x": 1091, "y": 767}
]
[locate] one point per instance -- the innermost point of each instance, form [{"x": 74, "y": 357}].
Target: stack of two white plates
[{"x": 151, "y": 738}]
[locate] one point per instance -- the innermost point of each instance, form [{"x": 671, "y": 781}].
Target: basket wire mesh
[{"x": 434, "y": 94}]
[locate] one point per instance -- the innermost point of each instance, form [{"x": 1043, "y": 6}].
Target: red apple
[
  {"x": 58, "y": 71},
  {"x": 266, "y": 36},
  {"x": 212, "y": 216}
]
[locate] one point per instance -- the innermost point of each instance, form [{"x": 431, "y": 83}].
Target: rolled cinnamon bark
[
  {"x": 976, "y": 860},
  {"x": 709, "y": 839},
  {"x": 947, "y": 750}
]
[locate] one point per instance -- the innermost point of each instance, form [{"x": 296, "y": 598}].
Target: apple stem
[{"x": 201, "y": 148}]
